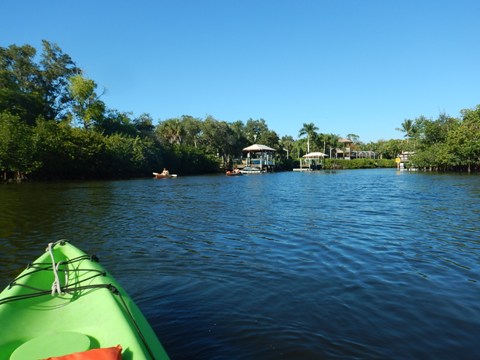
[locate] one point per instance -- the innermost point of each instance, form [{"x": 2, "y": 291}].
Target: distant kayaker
[{"x": 165, "y": 172}]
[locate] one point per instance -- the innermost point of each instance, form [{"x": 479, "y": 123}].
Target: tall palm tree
[
  {"x": 409, "y": 128},
  {"x": 310, "y": 130}
]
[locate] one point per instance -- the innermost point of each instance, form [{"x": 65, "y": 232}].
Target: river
[{"x": 373, "y": 264}]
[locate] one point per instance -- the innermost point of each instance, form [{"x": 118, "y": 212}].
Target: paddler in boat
[{"x": 165, "y": 172}]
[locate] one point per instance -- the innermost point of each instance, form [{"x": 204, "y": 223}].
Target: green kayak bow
[{"x": 66, "y": 302}]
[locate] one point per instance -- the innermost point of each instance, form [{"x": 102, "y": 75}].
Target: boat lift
[{"x": 312, "y": 161}]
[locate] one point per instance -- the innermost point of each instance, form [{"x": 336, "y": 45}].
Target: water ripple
[{"x": 347, "y": 264}]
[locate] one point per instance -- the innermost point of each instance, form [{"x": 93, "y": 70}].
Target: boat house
[
  {"x": 311, "y": 161},
  {"x": 259, "y": 156}
]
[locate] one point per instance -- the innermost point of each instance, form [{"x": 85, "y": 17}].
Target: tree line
[
  {"x": 55, "y": 125},
  {"x": 446, "y": 143}
]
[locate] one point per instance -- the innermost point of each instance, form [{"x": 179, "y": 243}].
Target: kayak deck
[{"x": 88, "y": 309}]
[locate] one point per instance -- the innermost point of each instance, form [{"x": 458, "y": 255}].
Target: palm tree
[
  {"x": 286, "y": 143},
  {"x": 409, "y": 128},
  {"x": 330, "y": 141},
  {"x": 171, "y": 130},
  {"x": 309, "y": 130}
]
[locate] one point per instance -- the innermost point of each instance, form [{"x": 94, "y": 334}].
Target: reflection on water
[{"x": 365, "y": 264}]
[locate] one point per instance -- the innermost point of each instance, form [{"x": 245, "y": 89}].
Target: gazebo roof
[
  {"x": 258, "y": 147},
  {"x": 314, "y": 155}
]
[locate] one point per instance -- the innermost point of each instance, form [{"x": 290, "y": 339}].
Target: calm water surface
[{"x": 327, "y": 265}]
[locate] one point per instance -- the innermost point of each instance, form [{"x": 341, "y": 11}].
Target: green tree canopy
[
  {"x": 287, "y": 144},
  {"x": 87, "y": 106},
  {"x": 56, "y": 69},
  {"x": 28, "y": 89},
  {"x": 17, "y": 148},
  {"x": 464, "y": 140},
  {"x": 170, "y": 131},
  {"x": 310, "y": 130},
  {"x": 20, "y": 91},
  {"x": 255, "y": 129}
]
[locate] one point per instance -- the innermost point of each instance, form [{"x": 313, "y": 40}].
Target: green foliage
[
  {"x": 310, "y": 130},
  {"x": 17, "y": 147},
  {"x": 144, "y": 126},
  {"x": 409, "y": 128},
  {"x": 20, "y": 91},
  {"x": 88, "y": 153},
  {"x": 87, "y": 106},
  {"x": 187, "y": 160},
  {"x": 28, "y": 89},
  {"x": 115, "y": 122},
  {"x": 170, "y": 132},
  {"x": 359, "y": 163},
  {"x": 270, "y": 138},
  {"x": 286, "y": 144},
  {"x": 388, "y": 149},
  {"x": 447, "y": 143},
  {"x": 55, "y": 69},
  {"x": 385, "y": 163},
  {"x": 129, "y": 157},
  {"x": 55, "y": 149},
  {"x": 255, "y": 129},
  {"x": 118, "y": 154},
  {"x": 464, "y": 140},
  {"x": 436, "y": 156}
]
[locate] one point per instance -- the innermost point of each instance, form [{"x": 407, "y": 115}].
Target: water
[{"x": 326, "y": 265}]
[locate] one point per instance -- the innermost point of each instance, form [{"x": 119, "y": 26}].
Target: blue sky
[{"x": 348, "y": 66}]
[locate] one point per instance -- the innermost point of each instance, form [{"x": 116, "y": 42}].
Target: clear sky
[{"x": 348, "y": 66}]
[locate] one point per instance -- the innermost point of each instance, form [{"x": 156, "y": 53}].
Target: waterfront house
[{"x": 345, "y": 151}]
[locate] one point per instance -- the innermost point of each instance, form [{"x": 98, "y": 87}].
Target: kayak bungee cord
[
  {"x": 66, "y": 289},
  {"x": 115, "y": 291},
  {"x": 56, "y": 283}
]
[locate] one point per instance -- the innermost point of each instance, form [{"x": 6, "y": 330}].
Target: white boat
[{"x": 252, "y": 170}]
